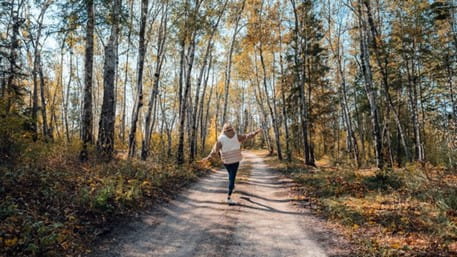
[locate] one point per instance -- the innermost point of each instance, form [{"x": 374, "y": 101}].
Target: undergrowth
[
  {"x": 410, "y": 211},
  {"x": 52, "y": 205}
]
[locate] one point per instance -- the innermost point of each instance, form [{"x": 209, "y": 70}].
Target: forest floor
[
  {"x": 267, "y": 221},
  {"x": 405, "y": 211},
  {"x": 53, "y": 205}
]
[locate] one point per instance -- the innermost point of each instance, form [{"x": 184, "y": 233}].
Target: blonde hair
[{"x": 227, "y": 126}]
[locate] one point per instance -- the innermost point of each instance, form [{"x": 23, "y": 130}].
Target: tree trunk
[
  {"x": 347, "y": 115},
  {"x": 105, "y": 143},
  {"x": 308, "y": 63},
  {"x": 260, "y": 100},
  {"x": 204, "y": 122},
  {"x": 360, "y": 129},
  {"x": 87, "y": 118},
  {"x": 67, "y": 97},
  {"x": 338, "y": 54},
  {"x": 193, "y": 137},
  {"x": 286, "y": 127},
  {"x": 46, "y": 134},
  {"x": 228, "y": 71},
  {"x": 35, "y": 98},
  {"x": 167, "y": 126},
  {"x": 283, "y": 97},
  {"x": 370, "y": 90},
  {"x": 384, "y": 73},
  {"x": 12, "y": 90},
  {"x": 412, "y": 97},
  {"x": 272, "y": 113},
  {"x": 124, "y": 98},
  {"x": 140, "y": 67},
  {"x": 300, "y": 83},
  {"x": 37, "y": 70},
  {"x": 53, "y": 122},
  {"x": 155, "y": 88},
  {"x": 451, "y": 87},
  {"x": 185, "y": 98},
  {"x": 348, "y": 120},
  {"x": 180, "y": 150}
]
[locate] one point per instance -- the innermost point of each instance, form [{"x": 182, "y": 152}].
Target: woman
[{"x": 228, "y": 144}]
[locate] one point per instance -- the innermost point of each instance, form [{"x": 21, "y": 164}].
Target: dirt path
[{"x": 200, "y": 223}]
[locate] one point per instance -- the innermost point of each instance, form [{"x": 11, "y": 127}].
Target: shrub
[
  {"x": 384, "y": 180},
  {"x": 13, "y": 137}
]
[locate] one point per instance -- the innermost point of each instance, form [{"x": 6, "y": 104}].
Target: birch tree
[
  {"x": 105, "y": 143},
  {"x": 87, "y": 116},
  {"x": 140, "y": 66}
]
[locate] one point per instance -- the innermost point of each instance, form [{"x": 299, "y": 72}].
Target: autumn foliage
[
  {"x": 106, "y": 106},
  {"x": 52, "y": 205},
  {"x": 408, "y": 211}
]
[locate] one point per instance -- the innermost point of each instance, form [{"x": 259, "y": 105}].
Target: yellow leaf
[
  {"x": 396, "y": 246},
  {"x": 11, "y": 242}
]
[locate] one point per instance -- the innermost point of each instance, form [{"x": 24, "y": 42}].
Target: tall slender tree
[
  {"x": 228, "y": 70},
  {"x": 105, "y": 143},
  {"x": 87, "y": 116},
  {"x": 209, "y": 47},
  {"x": 161, "y": 40},
  {"x": 140, "y": 67},
  {"x": 369, "y": 86}
]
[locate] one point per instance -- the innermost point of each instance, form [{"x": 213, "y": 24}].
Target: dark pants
[{"x": 232, "y": 169}]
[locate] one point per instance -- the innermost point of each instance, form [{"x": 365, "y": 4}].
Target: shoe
[{"x": 230, "y": 201}]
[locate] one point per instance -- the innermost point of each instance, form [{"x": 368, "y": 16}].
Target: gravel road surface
[{"x": 266, "y": 222}]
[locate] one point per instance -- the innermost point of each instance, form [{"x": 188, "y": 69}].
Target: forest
[{"x": 108, "y": 106}]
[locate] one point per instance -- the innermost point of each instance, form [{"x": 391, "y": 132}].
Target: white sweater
[{"x": 231, "y": 149}]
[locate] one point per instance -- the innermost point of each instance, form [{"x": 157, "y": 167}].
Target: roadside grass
[
  {"x": 410, "y": 211},
  {"x": 52, "y": 205}
]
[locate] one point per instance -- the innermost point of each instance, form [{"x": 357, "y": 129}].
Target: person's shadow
[{"x": 262, "y": 207}]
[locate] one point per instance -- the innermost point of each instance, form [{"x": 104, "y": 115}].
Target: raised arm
[{"x": 244, "y": 138}]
